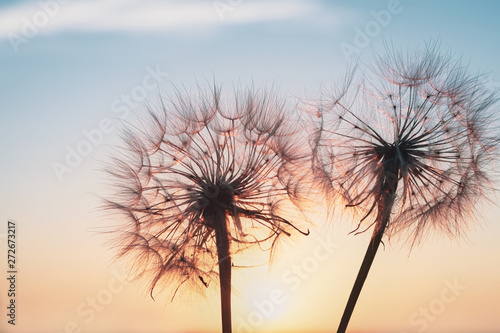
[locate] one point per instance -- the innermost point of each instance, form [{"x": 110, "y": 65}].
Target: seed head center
[{"x": 220, "y": 195}]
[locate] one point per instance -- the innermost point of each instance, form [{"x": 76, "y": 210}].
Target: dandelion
[
  {"x": 410, "y": 151},
  {"x": 204, "y": 180}
]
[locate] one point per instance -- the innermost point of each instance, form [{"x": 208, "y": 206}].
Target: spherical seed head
[
  {"x": 420, "y": 117},
  {"x": 197, "y": 157}
]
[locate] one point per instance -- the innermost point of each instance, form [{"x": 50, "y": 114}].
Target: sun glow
[{"x": 264, "y": 301}]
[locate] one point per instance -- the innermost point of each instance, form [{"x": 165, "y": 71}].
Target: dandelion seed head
[
  {"x": 199, "y": 155},
  {"x": 418, "y": 118}
]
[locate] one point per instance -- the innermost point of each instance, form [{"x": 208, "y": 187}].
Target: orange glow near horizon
[{"x": 304, "y": 291}]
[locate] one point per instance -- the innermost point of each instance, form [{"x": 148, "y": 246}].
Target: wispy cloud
[{"x": 53, "y": 16}]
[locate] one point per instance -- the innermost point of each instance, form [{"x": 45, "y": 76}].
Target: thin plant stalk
[
  {"x": 224, "y": 256},
  {"x": 388, "y": 195}
]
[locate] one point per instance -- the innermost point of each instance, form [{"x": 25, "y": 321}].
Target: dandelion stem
[
  {"x": 360, "y": 279},
  {"x": 218, "y": 217},
  {"x": 387, "y": 196}
]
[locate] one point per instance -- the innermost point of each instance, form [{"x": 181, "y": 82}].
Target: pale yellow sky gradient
[{"x": 64, "y": 270}]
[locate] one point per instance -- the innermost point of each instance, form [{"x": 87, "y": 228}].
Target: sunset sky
[{"x": 73, "y": 71}]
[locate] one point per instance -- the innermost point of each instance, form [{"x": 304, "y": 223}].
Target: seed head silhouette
[
  {"x": 410, "y": 148},
  {"x": 206, "y": 178}
]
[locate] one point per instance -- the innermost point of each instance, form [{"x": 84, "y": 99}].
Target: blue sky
[
  {"x": 90, "y": 52},
  {"x": 84, "y": 57}
]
